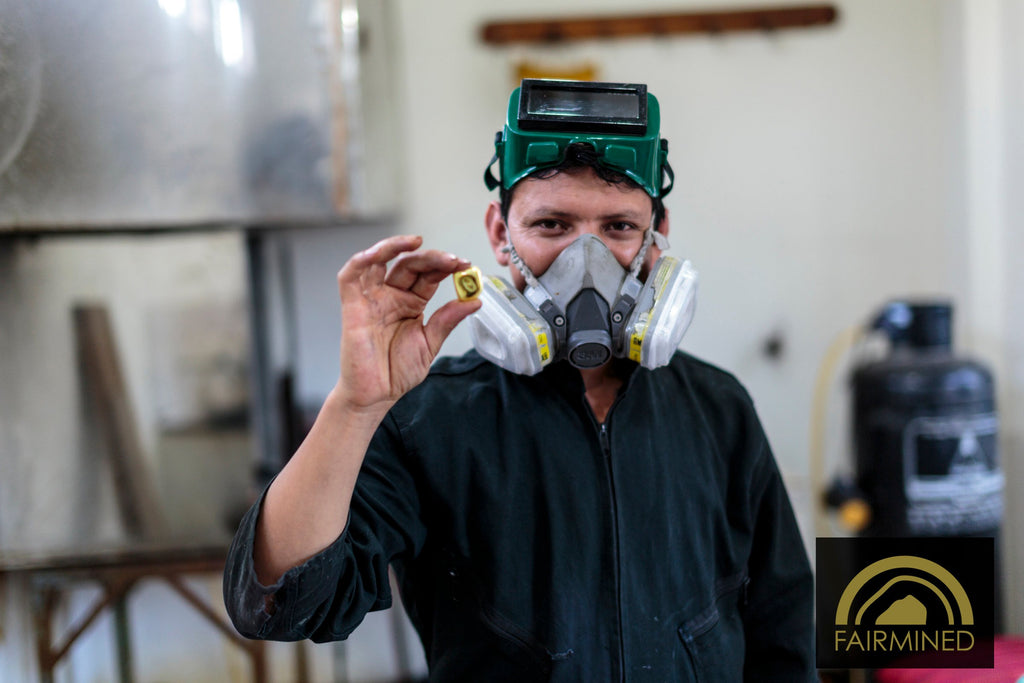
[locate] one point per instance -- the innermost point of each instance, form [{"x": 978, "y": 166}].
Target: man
[{"x": 577, "y": 506}]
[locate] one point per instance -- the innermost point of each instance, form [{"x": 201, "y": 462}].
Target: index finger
[
  {"x": 379, "y": 253},
  {"x": 431, "y": 266}
]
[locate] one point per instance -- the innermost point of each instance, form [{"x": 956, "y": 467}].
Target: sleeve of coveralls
[
  {"x": 326, "y": 597},
  {"x": 778, "y": 617}
]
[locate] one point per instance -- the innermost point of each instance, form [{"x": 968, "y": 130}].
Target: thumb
[{"x": 444, "y": 320}]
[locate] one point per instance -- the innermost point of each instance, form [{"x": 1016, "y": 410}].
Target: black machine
[
  {"x": 925, "y": 430},
  {"x": 925, "y": 433}
]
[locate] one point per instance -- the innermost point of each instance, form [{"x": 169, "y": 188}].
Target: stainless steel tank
[{"x": 135, "y": 114}]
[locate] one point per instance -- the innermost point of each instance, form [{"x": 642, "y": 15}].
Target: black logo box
[{"x": 887, "y": 589}]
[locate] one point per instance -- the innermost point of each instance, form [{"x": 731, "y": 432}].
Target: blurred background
[{"x": 180, "y": 181}]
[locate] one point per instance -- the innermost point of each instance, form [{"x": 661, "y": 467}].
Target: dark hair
[{"x": 582, "y": 155}]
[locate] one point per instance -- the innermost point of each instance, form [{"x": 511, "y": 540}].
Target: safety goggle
[{"x": 621, "y": 121}]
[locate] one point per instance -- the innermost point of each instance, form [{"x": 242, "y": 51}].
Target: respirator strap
[
  {"x": 540, "y": 298},
  {"x": 650, "y": 236},
  {"x": 528, "y": 275},
  {"x": 638, "y": 260}
]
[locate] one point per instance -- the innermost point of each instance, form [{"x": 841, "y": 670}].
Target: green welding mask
[{"x": 621, "y": 121}]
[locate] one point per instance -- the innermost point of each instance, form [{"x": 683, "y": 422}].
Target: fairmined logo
[{"x": 905, "y": 609}]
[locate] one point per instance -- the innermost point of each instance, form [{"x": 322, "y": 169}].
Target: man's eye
[
  {"x": 621, "y": 226},
  {"x": 548, "y": 225}
]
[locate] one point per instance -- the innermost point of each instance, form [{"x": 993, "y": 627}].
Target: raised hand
[{"x": 386, "y": 349}]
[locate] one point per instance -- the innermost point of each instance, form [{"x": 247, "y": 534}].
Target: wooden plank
[
  {"x": 561, "y": 29},
  {"x": 110, "y": 406}
]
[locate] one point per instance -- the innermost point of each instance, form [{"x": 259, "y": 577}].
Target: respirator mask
[{"x": 585, "y": 308}]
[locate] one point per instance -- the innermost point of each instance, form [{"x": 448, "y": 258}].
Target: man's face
[{"x": 547, "y": 215}]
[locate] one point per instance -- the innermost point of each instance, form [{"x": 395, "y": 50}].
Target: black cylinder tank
[{"x": 925, "y": 428}]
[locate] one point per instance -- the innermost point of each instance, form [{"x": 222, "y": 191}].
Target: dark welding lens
[
  {"x": 605, "y": 105},
  {"x": 583, "y": 106}
]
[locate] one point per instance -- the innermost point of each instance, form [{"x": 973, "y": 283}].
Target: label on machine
[{"x": 954, "y": 484}]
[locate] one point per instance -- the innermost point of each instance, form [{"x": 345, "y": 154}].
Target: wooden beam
[
  {"x": 110, "y": 406},
  {"x": 565, "y": 29}
]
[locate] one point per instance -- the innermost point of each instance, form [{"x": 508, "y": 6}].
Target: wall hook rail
[{"x": 565, "y": 29}]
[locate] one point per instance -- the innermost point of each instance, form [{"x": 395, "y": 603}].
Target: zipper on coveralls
[{"x": 606, "y": 449}]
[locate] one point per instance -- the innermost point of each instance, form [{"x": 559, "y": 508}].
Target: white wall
[
  {"x": 1010, "y": 24},
  {"x": 984, "y": 73}
]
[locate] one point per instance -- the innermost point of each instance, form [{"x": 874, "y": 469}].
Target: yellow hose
[{"x": 837, "y": 350}]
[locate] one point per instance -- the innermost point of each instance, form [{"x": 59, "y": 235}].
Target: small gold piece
[{"x": 468, "y": 283}]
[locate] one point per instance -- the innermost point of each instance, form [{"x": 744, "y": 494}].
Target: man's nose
[
  {"x": 614, "y": 246},
  {"x": 596, "y": 231}
]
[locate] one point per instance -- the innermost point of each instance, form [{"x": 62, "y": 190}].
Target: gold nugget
[{"x": 467, "y": 283}]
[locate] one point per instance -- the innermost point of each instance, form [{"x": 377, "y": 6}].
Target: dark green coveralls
[{"x": 532, "y": 543}]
